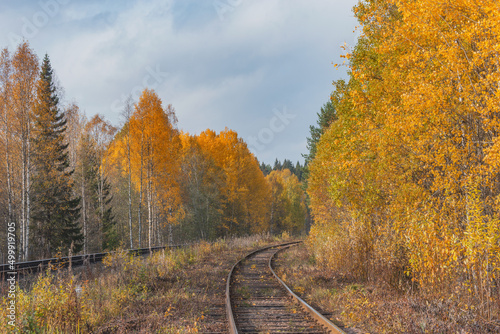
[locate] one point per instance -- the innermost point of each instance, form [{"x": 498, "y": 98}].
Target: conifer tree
[
  {"x": 97, "y": 221},
  {"x": 277, "y": 165},
  {"x": 110, "y": 239},
  {"x": 55, "y": 209},
  {"x": 299, "y": 170},
  {"x": 325, "y": 117},
  {"x": 287, "y": 164},
  {"x": 265, "y": 168}
]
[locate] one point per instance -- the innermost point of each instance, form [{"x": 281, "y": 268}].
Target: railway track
[
  {"x": 29, "y": 267},
  {"x": 257, "y": 301}
]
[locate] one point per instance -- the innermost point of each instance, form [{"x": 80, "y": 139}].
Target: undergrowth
[{"x": 373, "y": 306}]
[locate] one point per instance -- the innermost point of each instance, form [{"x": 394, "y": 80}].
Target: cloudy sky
[{"x": 260, "y": 67}]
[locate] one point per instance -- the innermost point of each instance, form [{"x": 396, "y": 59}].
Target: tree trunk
[
  {"x": 100, "y": 226},
  {"x": 24, "y": 191},
  {"x": 208, "y": 213},
  {"x": 149, "y": 208},
  {"x": 126, "y": 114},
  {"x": 6, "y": 105},
  {"x": 7, "y": 163},
  {"x": 84, "y": 213},
  {"x": 129, "y": 192},
  {"x": 170, "y": 235},
  {"x": 28, "y": 197},
  {"x": 140, "y": 196},
  {"x": 9, "y": 182}
]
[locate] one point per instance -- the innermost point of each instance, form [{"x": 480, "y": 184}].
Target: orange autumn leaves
[
  {"x": 288, "y": 203},
  {"x": 406, "y": 180},
  {"x": 150, "y": 141},
  {"x": 244, "y": 191},
  {"x": 209, "y": 185}
]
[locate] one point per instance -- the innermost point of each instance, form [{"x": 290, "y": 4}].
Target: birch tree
[{"x": 24, "y": 77}]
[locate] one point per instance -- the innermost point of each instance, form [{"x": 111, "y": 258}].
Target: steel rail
[
  {"x": 314, "y": 313},
  {"x": 229, "y": 309},
  {"x": 76, "y": 260}
]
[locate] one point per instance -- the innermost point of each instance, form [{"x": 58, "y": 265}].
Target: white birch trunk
[
  {"x": 28, "y": 193},
  {"x": 84, "y": 214},
  {"x": 140, "y": 197},
  {"x": 129, "y": 192},
  {"x": 23, "y": 198},
  {"x": 149, "y": 208}
]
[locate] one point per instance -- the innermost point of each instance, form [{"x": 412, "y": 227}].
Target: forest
[
  {"x": 70, "y": 184},
  {"x": 404, "y": 175},
  {"x": 400, "y": 186}
]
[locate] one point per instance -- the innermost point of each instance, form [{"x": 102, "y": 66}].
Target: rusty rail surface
[
  {"x": 257, "y": 301},
  {"x": 230, "y": 316}
]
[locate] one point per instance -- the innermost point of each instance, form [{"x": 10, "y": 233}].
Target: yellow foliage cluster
[
  {"x": 405, "y": 181},
  {"x": 49, "y": 305},
  {"x": 243, "y": 190},
  {"x": 287, "y": 206},
  {"x": 209, "y": 185}
]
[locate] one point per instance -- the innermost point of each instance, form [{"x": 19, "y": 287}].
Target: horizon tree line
[{"x": 73, "y": 184}]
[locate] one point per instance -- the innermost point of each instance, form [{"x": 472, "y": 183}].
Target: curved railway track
[{"x": 257, "y": 301}]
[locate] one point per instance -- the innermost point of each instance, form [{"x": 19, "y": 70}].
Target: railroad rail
[
  {"x": 258, "y": 301},
  {"x": 64, "y": 262}
]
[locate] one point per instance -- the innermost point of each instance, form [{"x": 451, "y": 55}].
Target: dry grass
[
  {"x": 173, "y": 291},
  {"x": 374, "y": 308}
]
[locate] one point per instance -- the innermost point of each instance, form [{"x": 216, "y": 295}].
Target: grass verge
[{"x": 363, "y": 307}]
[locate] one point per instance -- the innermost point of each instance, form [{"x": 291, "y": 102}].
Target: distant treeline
[
  {"x": 73, "y": 184},
  {"x": 298, "y": 170}
]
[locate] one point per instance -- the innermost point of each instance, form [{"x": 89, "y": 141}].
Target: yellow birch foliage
[
  {"x": 407, "y": 176},
  {"x": 288, "y": 208},
  {"x": 155, "y": 147},
  {"x": 166, "y": 165},
  {"x": 245, "y": 192},
  {"x": 155, "y": 150}
]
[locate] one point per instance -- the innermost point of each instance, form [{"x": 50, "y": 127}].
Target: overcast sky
[{"x": 260, "y": 67}]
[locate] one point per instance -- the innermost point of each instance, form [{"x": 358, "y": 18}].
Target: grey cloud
[{"x": 264, "y": 54}]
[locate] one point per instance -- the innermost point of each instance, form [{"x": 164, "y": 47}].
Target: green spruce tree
[
  {"x": 55, "y": 208},
  {"x": 99, "y": 228},
  {"x": 325, "y": 117},
  {"x": 110, "y": 239},
  {"x": 299, "y": 170},
  {"x": 265, "y": 168},
  {"x": 288, "y": 165},
  {"x": 277, "y": 165}
]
